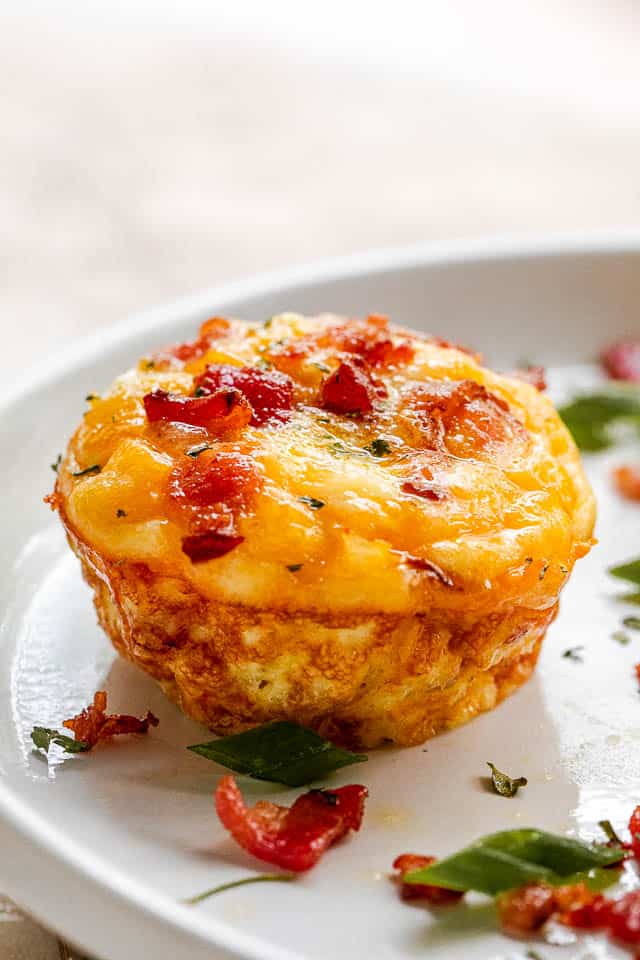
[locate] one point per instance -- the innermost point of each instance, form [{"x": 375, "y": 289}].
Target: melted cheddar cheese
[{"x": 440, "y": 494}]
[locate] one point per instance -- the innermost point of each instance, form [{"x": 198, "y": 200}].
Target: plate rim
[{"x": 29, "y": 829}]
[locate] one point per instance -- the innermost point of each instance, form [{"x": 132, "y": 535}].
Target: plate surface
[{"x": 103, "y": 847}]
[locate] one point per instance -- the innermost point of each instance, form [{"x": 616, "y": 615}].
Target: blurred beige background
[{"x": 152, "y": 148}]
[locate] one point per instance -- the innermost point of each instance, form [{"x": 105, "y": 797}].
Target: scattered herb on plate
[
  {"x": 281, "y": 752},
  {"x": 43, "y": 737},
  {"x": 607, "y": 828},
  {"x": 55, "y": 466},
  {"x": 574, "y": 653},
  {"x": 592, "y": 417},
  {"x": 294, "y": 567},
  {"x": 621, "y": 637},
  {"x": 259, "y": 878},
  {"x": 633, "y": 623},
  {"x": 502, "y": 861},
  {"x": 503, "y": 784},
  {"x": 627, "y": 571}
]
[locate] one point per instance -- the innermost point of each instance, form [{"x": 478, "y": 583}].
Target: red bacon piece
[
  {"x": 269, "y": 392},
  {"x": 349, "y": 389},
  {"x": 209, "y": 545},
  {"x": 439, "y": 896},
  {"x": 291, "y": 837},
  {"x": 94, "y": 724},
  {"x": 224, "y": 410},
  {"x": 211, "y": 330},
  {"x": 208, "y": 493},
  {"x": 627, "y": 480},
  {"x": 368, "y": 340},
  {"x": 621, "y": 360},
  {"x": 534, "y": 375}
]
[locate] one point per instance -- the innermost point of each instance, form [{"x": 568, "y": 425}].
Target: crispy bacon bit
[
  {"x": 407, "y": 863},
  {"x": 534, "y": 375},
  {"x": 448, "y": 345},
  {"x": 224, "y": 410},
  {"x": 94, "y": 724},
  {"x": 634, "y": 821},
  {"x": 295, "y": 837},
  {"x": 423, "y": 485},
  {"x": 591, "y": 916},
  {"x": 461, "y": 417},
  {"x": 270, "y": 393},
  {"x": 209, "y": 545},
  {"x": 627, "y": 480},
  {"x": 211, "y": 330},
  {"x": 621, "y": 360},
  {"x": 428, "y": 566},
  {"x": 526, "y": 909},
  {"x": 349, "y": 389},
  {"x": 620, "y": 918},
  {"x": 208, "y": 493},
  {"x": 368, "y": 340}
]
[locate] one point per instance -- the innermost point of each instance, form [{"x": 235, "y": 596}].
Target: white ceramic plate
[{"x": 102, "y": 848}]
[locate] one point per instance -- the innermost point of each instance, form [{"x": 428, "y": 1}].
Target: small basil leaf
[
  {"x": 43, "y": 737},
  {"x": 508, "y": 859},
  {"x": 590, "y": 417},
  {"x": 503, "y": 784},
  {"x": 633, "y": 623},
  {"x": 607, "y": 828},
  {"x": 281, "y": 752},
  {"x": 627, "y": 571}
]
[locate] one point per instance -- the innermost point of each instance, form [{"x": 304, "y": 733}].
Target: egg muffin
[{"x": 333, "y": 521}]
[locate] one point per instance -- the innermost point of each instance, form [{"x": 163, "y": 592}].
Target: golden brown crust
[{"x": 359, "y": 679}]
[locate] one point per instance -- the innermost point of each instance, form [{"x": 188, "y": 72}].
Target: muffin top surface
[{"x": 328, "y": 464}]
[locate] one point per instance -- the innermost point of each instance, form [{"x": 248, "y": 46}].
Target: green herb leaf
[
  {"x": 94, "y": 468},
  {"x": 43, "y": 737},
  {"x": 200, "y": 392},
  {"x": 627, "y": 571},
  {"x": 322, "y": 367},
  {"x": 633, "y": 623},
  {"x": 198, "y": 449},
  {"x": 281, "y": 752},
  {"x": 91, "y": 396},
  {"x": 120, "y": 512},
  {"x": 504, "y": 784},
  {"x": 378, "y": 447},
  {"x": 607, "y": 827},
  {"x": 312, "y": 502},
  {"x": 621, "y": 637},
  {"x": 590, "y": 417},
  {"x": 261, "y": 878},
  {"x": 56, "y": 465},
  {"x": 511, "y": 858},
  {"x": 574, "y": 653},
  {"x": 294, "y": 567}
]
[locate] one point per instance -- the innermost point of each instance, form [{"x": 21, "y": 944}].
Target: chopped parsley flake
[
  {"x": 198, "y": 449},
  {"x": 378, "y": 447},
  {"x": 633, "y": 623},
  {"x": 621, "y": 637},
  {"x": 91, "y": 396},
  {"x": 503, "y": 784},
  {"x": 322, "y": 367},
  {"x": 574, "y": 653},
  {"x": 120, "y": 512},
  {"x": 312, "y": 502},
  {"x": 94, "y": 468},
  {"x": 56, "y": 465},
  {"x": 294, "y": 567}
]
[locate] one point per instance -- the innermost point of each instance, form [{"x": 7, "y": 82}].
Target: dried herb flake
[{"x": 503, "y": 784}]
